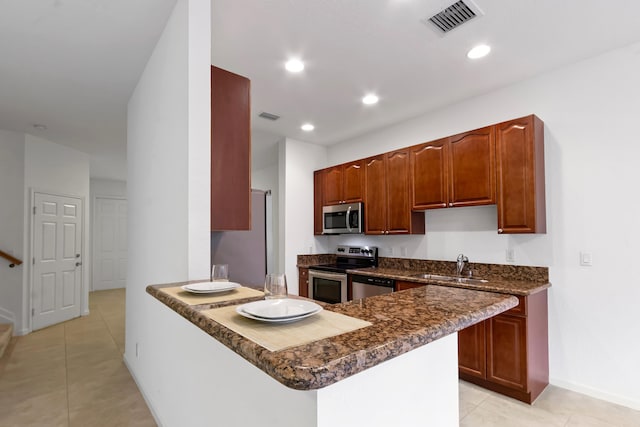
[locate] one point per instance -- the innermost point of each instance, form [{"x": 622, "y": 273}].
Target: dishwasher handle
[{"x": 370, "y": 280}]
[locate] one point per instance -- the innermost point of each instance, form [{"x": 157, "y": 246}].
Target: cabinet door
[
  {"x": 507, "y": 351},
  {"x": 429, "y": 175},
  {"x": 375, "y": 210},
  {"x": 520, "y": 158},
  {"x": 318, "y": 177},
  {"x": 333, "y": 185},
  {"x": 230, "y": 151},
  {"x": 353, "y": 182},
  {"x": 402, "y": 285},
  {"x": 472, "y": 168},
  {"x": 472, "y": 358},
  {"x": 398, "y": 190},
  {"x": 303, "y": 282}
]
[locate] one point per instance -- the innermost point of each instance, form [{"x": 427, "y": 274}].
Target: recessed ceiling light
[
  {"x": 38, "y": 126},
  {"x": 479, "y": 51},
  {"x": 370, "y": 99},
  {"x": 294, "y": 65},
  {"x": 307, "y": 127}
]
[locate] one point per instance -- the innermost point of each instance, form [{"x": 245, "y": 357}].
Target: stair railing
[{"x": 13, "y": 261}]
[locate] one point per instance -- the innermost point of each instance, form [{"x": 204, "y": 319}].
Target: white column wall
[
  {"x": 297, "y": 161},
  {"x": 590, "y": 110},
  {"x": 168, "y": 185},
  {"x": 267, "y": 179},
  {"x": 12, "y": 228}
]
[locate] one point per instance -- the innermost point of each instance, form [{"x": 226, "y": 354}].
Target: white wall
[
  {"x": 11, "y": 226},
  {"x": 297, "y": 162},
  {"x": 57, "y": 169},
  {"x": 168, "y": 186},
  {"x": 267, "y": 179},
  {"x": 590, "y": 110}
]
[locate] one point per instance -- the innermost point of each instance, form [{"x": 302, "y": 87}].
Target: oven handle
[
  {"x": 349, "y": 219},
  {"x": 327, "y": 275}
]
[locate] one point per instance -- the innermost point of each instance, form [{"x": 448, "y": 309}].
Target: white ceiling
[{"x": 72, "y": 64}]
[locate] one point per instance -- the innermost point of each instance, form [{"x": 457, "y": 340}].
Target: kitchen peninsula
[{"x": 399, "y": 370}]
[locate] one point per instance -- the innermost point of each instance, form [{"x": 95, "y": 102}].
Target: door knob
[{"x": 78, "y": 264}]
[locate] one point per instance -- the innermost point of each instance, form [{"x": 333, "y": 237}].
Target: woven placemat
[
  {"x": 279, "y": 336},
  {"x": 197, "y": 299}
]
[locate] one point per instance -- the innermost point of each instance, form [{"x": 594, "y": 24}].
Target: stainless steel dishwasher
[{"x": 367, "y": 286}]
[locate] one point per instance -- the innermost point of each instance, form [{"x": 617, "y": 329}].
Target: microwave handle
[{"x": 349, "y": 219}]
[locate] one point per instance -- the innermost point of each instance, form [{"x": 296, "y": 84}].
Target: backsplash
[{"x": 503, "y": 271}]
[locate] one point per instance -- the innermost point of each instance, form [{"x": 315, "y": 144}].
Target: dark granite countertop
[
  {"x": 494, "y": 284},
  {"x": 402, "y": 321}
]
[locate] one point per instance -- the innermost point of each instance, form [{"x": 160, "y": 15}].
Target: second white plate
[
  {"x": 210, "y": 287},
  {"x": 278, "y": 309}
]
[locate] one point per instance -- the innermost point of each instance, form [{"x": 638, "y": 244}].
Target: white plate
[
  {"x": 210, "y": 287},
  {"x": 280, "y": 320},
  {"x": 284, "y": 309}
]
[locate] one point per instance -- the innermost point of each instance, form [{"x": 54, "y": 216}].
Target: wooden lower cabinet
[
  {"x": 303, "y": 282},
  {"x": 401, "y": 285},
  {"x": 472, "y": 350},
  {"x": 513, "y": 357}
]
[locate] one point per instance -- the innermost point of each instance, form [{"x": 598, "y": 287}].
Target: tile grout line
[{"x": 66, "y": 374}]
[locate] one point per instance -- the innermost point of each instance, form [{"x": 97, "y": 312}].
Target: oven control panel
[{"x": 357, "y": 251}]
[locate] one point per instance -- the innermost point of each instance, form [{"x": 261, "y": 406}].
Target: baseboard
[
  {"x": 154, "y": 414},
  {"x": 598, "y": 394},
  {"x": 7, "y": 316},
  {"x": 21, "y": 332}
]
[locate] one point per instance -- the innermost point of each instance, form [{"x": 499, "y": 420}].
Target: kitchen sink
[{"x": 469, "y": 280}]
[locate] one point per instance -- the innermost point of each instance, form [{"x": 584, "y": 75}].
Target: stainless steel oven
[
  {"x": 327, "y": 286},
  {"x": 328, "y": 282}
]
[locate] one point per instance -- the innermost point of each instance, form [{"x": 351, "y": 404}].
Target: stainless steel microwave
[{"x": 343, "y": 219}]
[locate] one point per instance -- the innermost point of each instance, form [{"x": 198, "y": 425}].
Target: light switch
[{"x": 586, "y": 259}]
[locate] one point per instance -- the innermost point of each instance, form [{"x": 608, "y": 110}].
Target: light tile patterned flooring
[{"x": 72, "y": 374}]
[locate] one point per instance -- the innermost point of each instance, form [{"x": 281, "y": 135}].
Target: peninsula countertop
[{"x": 401, "y": 322}]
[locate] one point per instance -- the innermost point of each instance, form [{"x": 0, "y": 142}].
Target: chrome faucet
[{"x": 460, "y": 265}]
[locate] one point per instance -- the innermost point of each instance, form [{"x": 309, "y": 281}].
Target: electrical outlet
[
  {"x": 510, "y": 255},
  {"x": 392, "y": 250},
  {"x": 403, "y": 251}
]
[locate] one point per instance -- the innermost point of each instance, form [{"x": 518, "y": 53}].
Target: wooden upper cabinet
[
  {"x": 520, "y": 174},
  {"x": 375, "y": 210},
  {"x": 230, "y": 151},
  {"x": 333, "y": 185},
  {"x": 318, "y": 180},
  {"x": 344, "y": 183},
  {"x": 472, "y": 168},
  {"x": 387, "y": 196},
  {"x": 353, "y": 181},
  {"x": 429, "y": 174}
]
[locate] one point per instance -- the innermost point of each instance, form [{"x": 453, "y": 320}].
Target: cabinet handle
[
  {"x": 450, "y": 205},
  {"x": 499, "y": 230}
]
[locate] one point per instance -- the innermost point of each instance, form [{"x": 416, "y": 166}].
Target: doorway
[
  {"x": 57, "y": 259},
  {"x": 109, "y": 268}
]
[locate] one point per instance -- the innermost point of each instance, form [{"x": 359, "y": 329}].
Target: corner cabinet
[
  {"x": 521, "y": 188},
  {"x": 387, "y": 202},
  {"x": 230, "y": 151},
  {"x": 318, "y": 184},
  {"x": 509, "y": 353}
]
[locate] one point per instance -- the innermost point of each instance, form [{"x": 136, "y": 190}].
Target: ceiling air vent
[
  {"x": 453, "y": 16},
  {"x": 268, "y": 116}
]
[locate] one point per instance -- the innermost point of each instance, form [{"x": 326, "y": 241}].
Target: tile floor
[{"x": 72, "y": 374}]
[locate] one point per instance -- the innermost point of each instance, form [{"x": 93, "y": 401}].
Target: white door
[
  {"x": 110, "y": 244},
  {"x": 57, "y": 263}
]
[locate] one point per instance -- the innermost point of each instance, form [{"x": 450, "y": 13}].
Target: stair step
[{"x": 6, "y": 332}]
